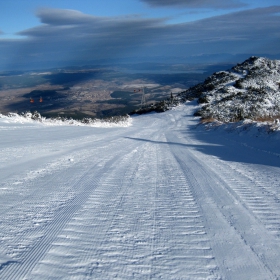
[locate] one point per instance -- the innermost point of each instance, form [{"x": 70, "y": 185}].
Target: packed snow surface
[{"x": 162, "y": 198}]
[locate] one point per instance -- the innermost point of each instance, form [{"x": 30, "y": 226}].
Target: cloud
[
  {"x": 62, "y": 26},
  {"x": 63, "y": 17},
  {"x": 68, "y": 37},
  {"x": 217, "y": 4},
  {"x": 71, "y": 35}
]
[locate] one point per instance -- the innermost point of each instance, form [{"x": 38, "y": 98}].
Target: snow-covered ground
[{"x": 162, "y": 198}]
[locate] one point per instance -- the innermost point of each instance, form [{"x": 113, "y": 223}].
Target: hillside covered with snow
[{"x": 250, "y": 90}]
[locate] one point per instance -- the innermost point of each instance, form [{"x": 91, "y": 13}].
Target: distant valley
[{"x": 95, "y": 91}]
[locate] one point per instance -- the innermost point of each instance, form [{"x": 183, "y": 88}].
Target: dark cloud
[
  {"x": 68, "y": 37},
  {"x": 71, "y": 36},
  {"x": 217, "y": 4},
  {"x": 64, "y": 17}
]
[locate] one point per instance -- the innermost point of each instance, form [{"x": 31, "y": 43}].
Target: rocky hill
[{"x": 250, "y": 90}]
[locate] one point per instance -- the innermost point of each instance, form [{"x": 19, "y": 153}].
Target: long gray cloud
[
  {"x": 217, "y": 4},
  {"x": 68, "y": 37}
]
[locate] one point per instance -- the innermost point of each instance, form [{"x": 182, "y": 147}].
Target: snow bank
[
  {"x": 255, "y": 128},
  {"x": 259, "y": 136},
  {"x": 36, "y": 118}
]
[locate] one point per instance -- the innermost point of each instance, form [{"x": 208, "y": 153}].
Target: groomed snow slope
[{"x": 160, "y": 199}]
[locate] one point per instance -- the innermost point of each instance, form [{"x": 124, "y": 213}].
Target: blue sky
[{"x": 56, "y": 33}]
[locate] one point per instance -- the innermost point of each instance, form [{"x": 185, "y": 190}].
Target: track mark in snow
[
  {"x": 260, "y": 197},
  {"x": 35, "y": 241},
  {"x": 141, "y": 222},
  {"x": 181, "y": 242},
  {"x": 240, "y": 233},
  {"x": 100, "y": 223}
]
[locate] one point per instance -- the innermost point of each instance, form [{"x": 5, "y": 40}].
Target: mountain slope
[{"x": 248, "y": 90}]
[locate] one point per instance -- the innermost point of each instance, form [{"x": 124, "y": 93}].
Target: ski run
[{"x": 159, "y": 198}]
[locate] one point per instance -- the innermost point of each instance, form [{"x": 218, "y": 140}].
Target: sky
[{"x": 38, "y": 34}]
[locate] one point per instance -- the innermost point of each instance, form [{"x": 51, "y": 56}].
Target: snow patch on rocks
[{"x": 250, "y": 90}]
